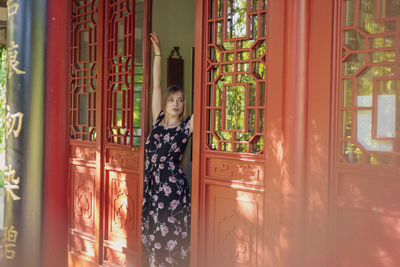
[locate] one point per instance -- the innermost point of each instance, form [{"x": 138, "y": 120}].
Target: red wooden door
[
  {"x": 353, "y": 165},
  {"x": 365, "y": 199},
  {"x": 236, "y": 93},
  {"x": 107, "y": 129},
  {"x": 350, "y": 129}
]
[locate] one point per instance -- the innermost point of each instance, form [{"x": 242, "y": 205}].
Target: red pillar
[
  {"x": 295, "y": 98},
  {"x": 55, "y": 181}
]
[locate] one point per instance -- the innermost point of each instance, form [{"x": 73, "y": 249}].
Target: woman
[{"x": 166, "y": 195}]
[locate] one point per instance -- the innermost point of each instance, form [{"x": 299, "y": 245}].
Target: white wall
[{"x": 174, "y": 22}]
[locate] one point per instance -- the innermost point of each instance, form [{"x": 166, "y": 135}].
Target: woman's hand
[
  {"x": 191, "y": 125},
  {"x": 156, "y": 98},
  {"x": 156, "y": 43}
]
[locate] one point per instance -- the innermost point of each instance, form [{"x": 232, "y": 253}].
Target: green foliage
[{"x": 3, "y": 73}]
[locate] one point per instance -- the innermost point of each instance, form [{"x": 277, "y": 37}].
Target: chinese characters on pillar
[
  {"x": 13, "y": 127},
  {"x": 12, "y": 7},
  {"x": 10, "y": 242},
  {"x": 12, "y": 52},
  {"x": 11, "y": 183},
  {"x": 13, "y": 123}
]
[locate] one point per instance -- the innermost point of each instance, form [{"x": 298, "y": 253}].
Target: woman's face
[{"x": 174, "y": 106}]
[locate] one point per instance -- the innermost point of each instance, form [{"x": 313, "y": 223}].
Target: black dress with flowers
[{"x": 166, "y": 197}]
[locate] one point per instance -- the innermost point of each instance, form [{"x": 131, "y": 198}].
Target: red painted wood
[
  {"x": 273, "y": 206},
  {"x": 55, "y": 180},
  {"x": 85, "y": 171},
  {"x": 147, "y": 28},
  {"x": 364, "y": 210},
  {"x": 100, "y": 125},
  {"x": 273, "y": 133},
  {"x": 123, "y": 159},
  {"x": 228, "y": 195},
  {"x": 82, "y": 203},
  {"x": 295, "y": 114},
  {"x": 195, "y": 253},
  {"x": 106, "y": 170},
  {"x": 318, "y": 137}
]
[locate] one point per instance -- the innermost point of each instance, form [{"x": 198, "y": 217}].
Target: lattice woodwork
[
  {"x": 124, "y": 72},
  {"x": 236, "y": 71},
  {"x": 369, "y": 131},
  {"x": 84, "y": 76}
]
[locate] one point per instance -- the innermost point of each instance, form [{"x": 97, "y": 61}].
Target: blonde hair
[{"x": 170, "y": 91}]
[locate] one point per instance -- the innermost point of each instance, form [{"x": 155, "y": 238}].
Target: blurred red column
[
  {"x": 55, "y": 181},
  {"x": 295, "y": 113}
]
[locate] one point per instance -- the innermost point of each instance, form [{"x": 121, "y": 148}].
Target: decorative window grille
[
  {"x": 369, "y": 89},
  {"x": 125, "y": 72},
  {"x": 84, "y": 76},
  {"x": 236, "y": 72}
]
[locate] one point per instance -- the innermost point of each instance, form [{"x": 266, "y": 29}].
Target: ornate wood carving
[
  {"x": 83, "y": 198},
  {"x": 123, "y": 206},
  {"x": 233, "y": 225},
  {"x": 83, "y": 201},
  {"x": 124, "y": 158},
  {"x": 234, "y": 236},
  {"x": 234, "y": 170},
  {"x": 83, "y": 153}
]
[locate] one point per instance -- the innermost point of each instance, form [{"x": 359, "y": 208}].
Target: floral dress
[{"x": 166, "y": 197}]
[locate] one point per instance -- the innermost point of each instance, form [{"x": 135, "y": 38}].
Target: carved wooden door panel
[
  {"x": 365, "y": 199},
  {"x": 228, "y": 212},
  {"x": 85, "y": 132},
  {"x": 107, "y": 130}
]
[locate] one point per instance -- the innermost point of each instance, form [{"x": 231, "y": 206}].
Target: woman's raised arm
[{"x": 157, "y": 93}]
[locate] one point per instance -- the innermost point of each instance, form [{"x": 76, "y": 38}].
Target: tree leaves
[{"x": 3, "y": 73}]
